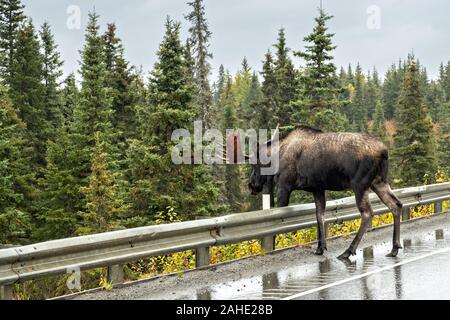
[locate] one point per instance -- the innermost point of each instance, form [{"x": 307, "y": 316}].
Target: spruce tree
[
  {"x": 245, "y": 66},
  {"x": 190, "y": 63},
  {"x": 200, "y": 36},
  {"x": 119, "y": 80},
  {"x": 93, "y": 113},
  {"x": 414, "y": 145},
  {"x": 343, "y": 84},
  {"x": 358, "y": 106},
  {"x": 286, "y": 81},
  {"x": 51, "y": 73},
  {"x": 27, "y": 91},
  {"x": 111, "y": 44},
  {"x": 60, "y": 197},
  {"x": 220, "y": 85},
  {"x": 69, "y": 156},
  {"x": 11, "y": 19},
  {"x": 435, "y": 98},
  {"x": 444, "y": 80},
  {"x": 266, "y": 108},
  {"x": 342, "y": 77},
  {"x": 372, "y": 92},
  {"x": 391, "y": 90},
  {"x": 16, "y": 177},
  {"x": 444, "y": 139},
  {"x": 378, "y": 128},
  {"x": 241, "y": 88},
  {"x": 229, "y": 121},
  {"x": 169, "y": 90},
  {"x": 253, "y": 98},
  {"x": 104, "y": 207},
  {"x": 157, "y": 183},
  {"x": 317, "y": 103},
  {"x": 347, "y": 84},
  {"x": 70, "y": 96},
  {"x": 350, "y": 75}
]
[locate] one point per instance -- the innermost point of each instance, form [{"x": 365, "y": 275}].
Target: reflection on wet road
[{"x": 420, "y": 272}]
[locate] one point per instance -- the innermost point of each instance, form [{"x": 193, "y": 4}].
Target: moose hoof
[
  {"x": 319, "y": 251},
  {"x": 393, "y": 253},
  {"x": 345, "y": 256}
]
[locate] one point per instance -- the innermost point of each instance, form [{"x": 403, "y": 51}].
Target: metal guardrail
[{"x": 113, "y": 249}]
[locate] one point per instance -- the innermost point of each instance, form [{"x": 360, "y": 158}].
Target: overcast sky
[{"x": 249, "y": 27}]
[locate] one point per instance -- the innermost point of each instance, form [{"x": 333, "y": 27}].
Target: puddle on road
[{"x": 302, "y": 278}]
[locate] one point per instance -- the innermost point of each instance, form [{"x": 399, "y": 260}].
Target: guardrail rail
[{"x": 113, "y": 249}]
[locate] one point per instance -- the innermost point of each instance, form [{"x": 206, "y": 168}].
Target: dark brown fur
[{"x": 314, "y": 161}]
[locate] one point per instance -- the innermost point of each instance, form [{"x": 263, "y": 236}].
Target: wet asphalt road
[{"x": 421, "y": 271}]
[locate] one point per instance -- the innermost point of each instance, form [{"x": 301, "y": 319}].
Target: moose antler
[{"x": 277, "y": 131}]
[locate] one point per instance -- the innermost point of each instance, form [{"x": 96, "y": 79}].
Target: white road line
[{"x": 363, "y": 275}]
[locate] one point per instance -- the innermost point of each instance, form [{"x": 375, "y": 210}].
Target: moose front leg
[
  {"x": 319, "y": 199},
  {"x": 283, "y": 196}
]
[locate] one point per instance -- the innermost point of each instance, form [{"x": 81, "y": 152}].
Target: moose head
[{"x": 261, "y": 158}]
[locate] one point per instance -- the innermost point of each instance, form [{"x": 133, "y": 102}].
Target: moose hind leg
[
  {"x": 319, "y": 198},
  {"x": 364, "y": 207},
  {"x": 384, "y": 192}
]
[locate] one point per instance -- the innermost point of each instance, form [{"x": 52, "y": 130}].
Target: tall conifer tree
[
  {"x": 268, "y": 105},
  {"x": 28, "y": 92},
  {"x": 11, "y": 20},
  {"x": 16, "y": 177},
  {"x": 444, "y": 139},
  {"x": 69, "y": 157},
  {"x": 51, "y": 74},
  {"x": 286, "y": 80},
  {"x": 379, "y": 127},
  {"x": 104, "y": 206},
  {"x": 200, "y": 36},
  {"x": 229, "y": 121},
  {"x": 317, "y": 103},
  {"x": 70, "y": 96},
  {"x": 358, "y": 106},
  {"x": 414, "y": 145},
  {"x": 94, "y": 111},
  {"x": 119, "y": 80},
  {"x": 158, "y": 183}
]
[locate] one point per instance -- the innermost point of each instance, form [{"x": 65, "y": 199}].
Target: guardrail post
[
  {"x": 267, "y": 242},
  {"x": 202, "y": 257},
  {"x": 6, "y": 292},
  {"x": 115, "y": 274},
  {"x": 438, "y": 207},
  {"x": 406, "y": 213}
]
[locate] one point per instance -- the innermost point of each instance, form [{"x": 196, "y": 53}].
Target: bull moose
[{"x": 315, "y": 161}]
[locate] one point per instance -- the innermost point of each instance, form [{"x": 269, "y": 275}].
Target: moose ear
[{"x": 233, "y": 142}]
